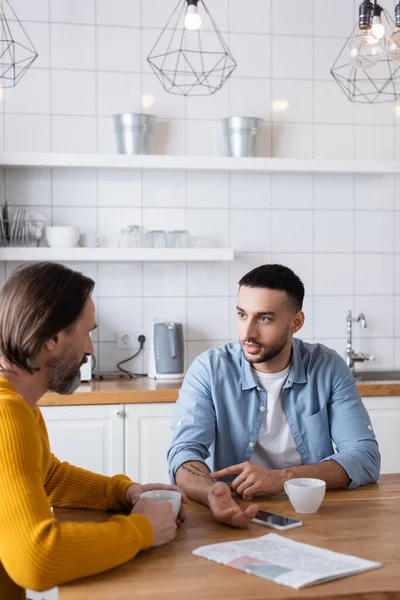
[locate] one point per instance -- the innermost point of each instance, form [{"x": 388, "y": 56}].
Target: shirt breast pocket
[{"x": 318, "y": 433}]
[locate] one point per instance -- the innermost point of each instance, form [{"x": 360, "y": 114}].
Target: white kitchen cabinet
[
  {"x": 147, "y": 438},
  {"x": 385, "y": 417},
  {"x": 91, "y": 437},
  {"x": 110, "y": 439}
]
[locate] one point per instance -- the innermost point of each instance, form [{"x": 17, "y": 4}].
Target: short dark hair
[
  {"x": 276, "y": 277},
  {"x": 37, "y": 301}
]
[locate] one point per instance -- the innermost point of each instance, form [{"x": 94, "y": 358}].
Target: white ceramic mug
[
  {"x": 305, "y": 494},
  {"x": 170, "y": 495},
  {"x": 89, "y": 240}
]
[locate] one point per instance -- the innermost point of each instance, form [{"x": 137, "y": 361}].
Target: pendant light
[
  {"x": 393, "y": 43},
  {"x": 187, "y": 59},
  {"x": 17, "y": 53},
  {"x": 365, "y": 69}
]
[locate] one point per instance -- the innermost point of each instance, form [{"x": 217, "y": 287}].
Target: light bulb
[
  {"x": 280, "y": 106},
  {"x": 147, "y": 100},
  {"x": 364, "y": 49},
  {"x": 378, "y": 28},
  {"x": 193, "y": 20},
  {"x": 393, "y": 44}
]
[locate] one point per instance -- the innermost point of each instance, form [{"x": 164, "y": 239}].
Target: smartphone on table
[{"x": 276, "y": 521}]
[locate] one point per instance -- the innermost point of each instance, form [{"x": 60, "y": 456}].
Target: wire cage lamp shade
[
  {"x": 190, "y": 56},
  {"x": 17, "y": 52},
  {"x": 369, "y": 76}
]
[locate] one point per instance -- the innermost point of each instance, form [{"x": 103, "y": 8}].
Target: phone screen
[{"x": 279, "y": 520}]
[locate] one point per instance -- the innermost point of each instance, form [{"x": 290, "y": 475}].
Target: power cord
[{"x": 141, "y": 340}]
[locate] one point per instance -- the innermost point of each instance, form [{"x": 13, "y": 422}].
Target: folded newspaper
[{"x": 284, "y": 561}]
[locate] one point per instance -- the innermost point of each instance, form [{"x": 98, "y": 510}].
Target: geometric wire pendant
[
  {"x": 380, "y": 83},
  {"x": 187, "y": 62},
  {"x": 17, "y": 52}
]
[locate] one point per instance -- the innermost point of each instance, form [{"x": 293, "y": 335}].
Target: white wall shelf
[
  {"x": 117, "y": 254},
  {"x": 197, "y": 163}
]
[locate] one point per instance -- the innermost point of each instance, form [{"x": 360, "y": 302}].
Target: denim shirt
[{"x": 220, "y": 410}]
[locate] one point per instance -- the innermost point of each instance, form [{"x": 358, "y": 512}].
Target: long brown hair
[{"x": 37, "y": 301}]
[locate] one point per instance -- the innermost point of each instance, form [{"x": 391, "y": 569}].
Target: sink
[{"x": 377, "y": 376}]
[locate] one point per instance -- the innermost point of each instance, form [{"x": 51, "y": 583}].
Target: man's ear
[
  {"x": 298, "y": 321},
  {"x": 52, "y": 344}
]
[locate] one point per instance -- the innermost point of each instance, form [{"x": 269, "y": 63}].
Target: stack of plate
[
  {"x": 19, "y": 228},
  {"x": 22, "y": 229},
  {"x": 4, "y": 239}
]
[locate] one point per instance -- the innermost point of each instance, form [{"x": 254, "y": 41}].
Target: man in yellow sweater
[{"x": 46, "y": 316}]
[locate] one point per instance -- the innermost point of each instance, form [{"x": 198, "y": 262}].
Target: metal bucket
[
  {"x": 242, "y": 135},
  {"x": 134, "y": 133}
]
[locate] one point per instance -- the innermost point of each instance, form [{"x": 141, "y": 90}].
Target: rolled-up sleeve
[
  {"x": 194, "y": 422},
  {"x": 351, "y": 430}
]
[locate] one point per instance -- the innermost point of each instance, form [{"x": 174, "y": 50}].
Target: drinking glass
[
  {"x": 130, "y": 237},
  {"x": 155, "y": 239},
  {"x": 179, "y": 239}
]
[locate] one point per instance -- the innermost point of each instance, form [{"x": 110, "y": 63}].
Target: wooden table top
[
  {"x": 145, "y": 391},
  {"x": 363, "y": 522}
]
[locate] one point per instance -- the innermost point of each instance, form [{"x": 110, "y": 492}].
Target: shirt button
[
  {"x": 370, "y": 427},
  {"x": 262, "y": 408},
  {"x": 251, "y": 445},
  {"x": 258, "y": 389},
  {"x": 179, "y": 423}
]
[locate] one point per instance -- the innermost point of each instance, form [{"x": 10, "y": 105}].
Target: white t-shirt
[{"x": 275, "y": 447}]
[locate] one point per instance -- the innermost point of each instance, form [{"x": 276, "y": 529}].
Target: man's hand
[
  {"x": 252, "y": 479},
  {"x": 134, "y": 491},
  {"x": 225, "y": 509},
  {"x": 161, "y": 517}
]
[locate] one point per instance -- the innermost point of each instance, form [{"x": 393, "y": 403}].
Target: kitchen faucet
[{"x": 351, "y": 356}]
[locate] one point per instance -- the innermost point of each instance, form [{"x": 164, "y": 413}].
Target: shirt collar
[{"x": 297, "y": 373}]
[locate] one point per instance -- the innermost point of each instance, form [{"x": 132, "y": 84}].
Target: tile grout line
[
  {"x": 51, "y": 171},
  {"x": 313, "y": 108}
]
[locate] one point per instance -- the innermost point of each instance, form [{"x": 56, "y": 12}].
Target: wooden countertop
[
  {"x": 363, "y": 522},
  {"x": 390, "y": 388},
  {"x": 147, "y": 391},
  {"x": 117, "y": 391}
]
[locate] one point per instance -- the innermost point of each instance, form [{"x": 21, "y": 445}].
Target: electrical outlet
[{"x": 126, "y": 340}]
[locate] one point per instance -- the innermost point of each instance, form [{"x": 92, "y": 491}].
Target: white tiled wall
[{"x": 341, "y": 234}]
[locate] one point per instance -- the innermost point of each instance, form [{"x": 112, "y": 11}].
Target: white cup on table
[
  {"x": 171, "y": 496},
  {"x": 305, "y": 494}
]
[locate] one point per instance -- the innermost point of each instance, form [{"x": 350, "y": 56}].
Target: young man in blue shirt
[{"x": 268, "y": 408}]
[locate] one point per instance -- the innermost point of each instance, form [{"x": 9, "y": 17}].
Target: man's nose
[
  {"x": 251, "y": 330},
  {"x": 89, "y": 347}
]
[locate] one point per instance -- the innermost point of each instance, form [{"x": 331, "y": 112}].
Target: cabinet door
[
  {"x": 147, "y": 438},
  {"x": 91, "y": 437},
  {"x": 385, "y": 417}
]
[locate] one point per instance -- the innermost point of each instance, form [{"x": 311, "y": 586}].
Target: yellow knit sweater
[{"x": 36, "y": 551}]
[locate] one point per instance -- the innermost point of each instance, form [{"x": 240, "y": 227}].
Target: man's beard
[
  {"x": 62, "y": 378},
  {"x": 267, "y": 354}
]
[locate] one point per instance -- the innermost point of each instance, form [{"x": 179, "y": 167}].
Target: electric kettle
[{"x": 166, "y": 356}]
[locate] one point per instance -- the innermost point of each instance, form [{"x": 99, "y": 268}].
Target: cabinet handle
[{"x": 119, "y": 412}]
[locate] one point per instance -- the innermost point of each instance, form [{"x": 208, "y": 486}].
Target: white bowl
[{"x": 63, "y": 236}]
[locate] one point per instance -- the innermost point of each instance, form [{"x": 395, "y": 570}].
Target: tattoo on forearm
[{"x": 196, "y": 471}]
